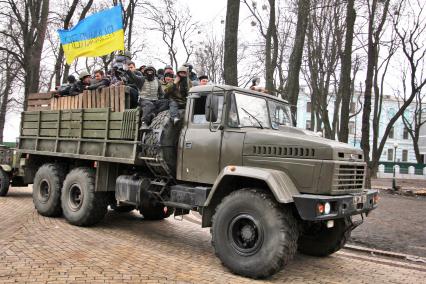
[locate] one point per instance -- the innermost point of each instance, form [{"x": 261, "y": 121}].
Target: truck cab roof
[{"x": 216, "y": 87}]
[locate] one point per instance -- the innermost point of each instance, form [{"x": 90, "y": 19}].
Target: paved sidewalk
[{"x": 126, "y": 249}]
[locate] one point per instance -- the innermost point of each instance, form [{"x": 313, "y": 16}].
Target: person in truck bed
[{"x": 101, "y": 81}]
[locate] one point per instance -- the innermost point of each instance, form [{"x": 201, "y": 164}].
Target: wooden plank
[
  {"x": 34, "y": 108},
  {"x": 93, "y": 99},
  {"x": 117, "y": 98},
  {"x": 80, "y": 101},
  {"x": 89, "y": 99},
  {"x": 112, "y": 100},
  {"x": 38, "y": 102},
  {"x": 98, "y": 98},
  {"x": 84, "y": 97},
  {"x": 37, "y": 96},
  {"x": 102, "y": 95},
  {"x": 76, "y": 101},
  {"x": 106, "y": 92},
  {"x": 122, "y": 99}
]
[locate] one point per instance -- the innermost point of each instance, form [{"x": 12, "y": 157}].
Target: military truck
[{"x": 265, "y": 188}]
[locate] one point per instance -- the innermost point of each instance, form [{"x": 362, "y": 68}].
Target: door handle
[{"x": 188, "y": 145}]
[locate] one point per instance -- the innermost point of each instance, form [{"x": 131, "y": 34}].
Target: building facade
[{"x": 398, "y": 136}]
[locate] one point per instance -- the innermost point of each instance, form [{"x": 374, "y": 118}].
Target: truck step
[{"x": 178, "y": 205}]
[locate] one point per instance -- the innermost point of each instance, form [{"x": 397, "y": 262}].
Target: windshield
[{"x": 252, "y": 111}]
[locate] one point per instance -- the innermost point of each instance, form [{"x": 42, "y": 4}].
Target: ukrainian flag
[{"x": 97, "y": 35}]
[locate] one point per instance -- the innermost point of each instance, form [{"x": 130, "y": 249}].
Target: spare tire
[{"x": 161, "y": 146}]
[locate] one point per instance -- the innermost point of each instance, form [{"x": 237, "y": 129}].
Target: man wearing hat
[
  {"x": 81, "y": 85},
  {"x": 178, "y": 91},
  {"x": 204, "y": 80},
  {"x": 151, "y": 97}
]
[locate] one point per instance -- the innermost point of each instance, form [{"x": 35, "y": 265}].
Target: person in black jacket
[
  {"x": 101, "y": 81},
  {"x": 81, "y": 85}
]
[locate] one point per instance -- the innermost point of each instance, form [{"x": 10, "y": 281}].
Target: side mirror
[{"x": 212, "y": 108}]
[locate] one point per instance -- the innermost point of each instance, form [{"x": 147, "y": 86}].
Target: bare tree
[
  {"x": 27, "y": 32},
  {"x": 209, "y": 59},
  {"x": 8, "y": 72},
  {"x": 374, "y": 32},
  {"x": 344, "y": 91},
  {"x": 324, "y": 35},
  {"x": 176, "y": 26},
  {"x": 292, "y": 87},
  {"x": 231, "y": 42},
  {"x": 412, "y": 117},
  {"x": 270, "y": 36}
]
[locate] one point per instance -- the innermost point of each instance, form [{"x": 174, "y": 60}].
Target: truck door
[{"x": 201, "y": 146}]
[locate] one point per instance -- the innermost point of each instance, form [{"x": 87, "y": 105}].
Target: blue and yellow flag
[{"x": 97, "y": 35}]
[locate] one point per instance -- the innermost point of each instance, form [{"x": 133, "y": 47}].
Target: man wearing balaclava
[{"x": 151, "y": 97}]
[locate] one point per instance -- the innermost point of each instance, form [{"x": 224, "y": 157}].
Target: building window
[
  {"x": 351, "y": 127},
  {"x": 404, "y": 155},
  {"x": 308, "y": 125},
  {"x": 390, "y": 154},
  {"x": 308, "y": 106},
  {"x": 391, "y": 134},
  {"x": 352, "y": 107},
  {"x": 405, "y": 134}
]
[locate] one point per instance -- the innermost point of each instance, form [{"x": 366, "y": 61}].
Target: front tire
[
  {"x": 47, "y": 190},
  {"x": 252, "y": 234},
  {"x": 4, "y": 182},
  {"x": 318, "y": 240},
  {"x": 82, "y": 206}
]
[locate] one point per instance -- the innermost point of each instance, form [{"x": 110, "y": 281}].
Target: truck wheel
[
  {"x": 4, "y": 183},
  {"x": 82, "y": 206},
  {"x": 318, "y": 240},
  {"x": 47, "y": 190},
  {"x": 155, "y": 212},
  {"x": 252, "y": 234}
]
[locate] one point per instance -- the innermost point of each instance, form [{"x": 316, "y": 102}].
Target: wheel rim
[
  {"x": 44, "y": 192},
  {"x": 75, "y": 197},
  {"x": 245, "y": 234}
]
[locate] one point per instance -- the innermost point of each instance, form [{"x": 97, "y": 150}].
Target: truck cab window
[{"x": 199, "y": 109}]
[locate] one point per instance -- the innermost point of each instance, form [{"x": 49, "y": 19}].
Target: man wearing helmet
[
  {"x": 81, "y": 85},
  {"x": 151, "y": 97}
]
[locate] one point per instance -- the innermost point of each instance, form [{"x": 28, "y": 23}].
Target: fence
[{"x": 114, "y": 98}]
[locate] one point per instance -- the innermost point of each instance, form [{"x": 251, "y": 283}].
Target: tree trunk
[
  {"x": 271, "y": 35},
  {"x": 292, "y": 87},
  {"x": 5, "y": 97},
  {"x": 345, "y": 75},
  {"x": 231, "y": 43}
]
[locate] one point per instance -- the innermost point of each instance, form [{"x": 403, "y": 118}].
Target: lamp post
[{"x": 395, "y": 146}]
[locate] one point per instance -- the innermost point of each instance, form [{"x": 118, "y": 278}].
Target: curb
[{"x": 402, "y": 256}]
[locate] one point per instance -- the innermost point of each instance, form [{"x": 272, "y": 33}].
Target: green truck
[{"x": 266, "y": 189}]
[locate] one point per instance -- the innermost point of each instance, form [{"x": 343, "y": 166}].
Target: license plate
[{"x": 360, "y": 199}]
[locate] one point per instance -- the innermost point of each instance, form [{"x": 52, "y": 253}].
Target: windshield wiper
[{"x": 257, "y": 120}]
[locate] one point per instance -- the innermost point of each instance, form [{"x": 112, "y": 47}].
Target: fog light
[
  {"x": 330, "y": 223},
  {"x": 320, "y": 208},
  {"x": 327, "y": 208}
]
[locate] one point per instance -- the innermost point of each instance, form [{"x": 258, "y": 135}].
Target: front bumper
[{"x": 341, "y": 205}]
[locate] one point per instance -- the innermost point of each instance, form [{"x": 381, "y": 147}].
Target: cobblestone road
[{"x": 126, "y": 249}]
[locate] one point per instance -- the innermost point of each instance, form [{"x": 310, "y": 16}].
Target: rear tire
[
  {"x": 252, "y": 234},
  {"x": 318, "y": 240},
  {"x": 4, "y": 182},
  {"x": 82, "y": 206},
  {"x": 47, "y": 190}
]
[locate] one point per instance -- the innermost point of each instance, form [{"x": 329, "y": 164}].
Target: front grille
[{"x": 349, "y": 177}]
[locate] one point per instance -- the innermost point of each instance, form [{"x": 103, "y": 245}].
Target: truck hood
[{"x": 297, "y": 143}]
